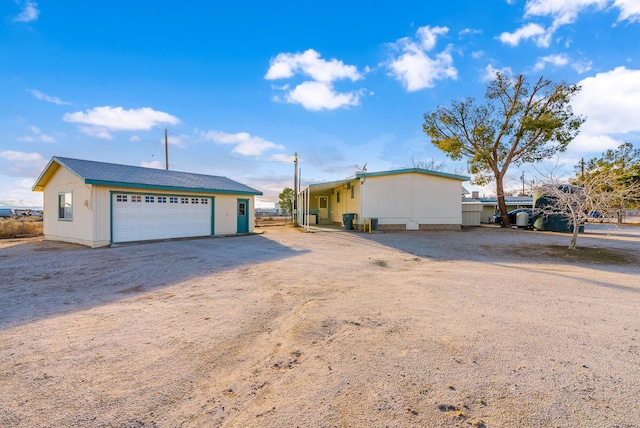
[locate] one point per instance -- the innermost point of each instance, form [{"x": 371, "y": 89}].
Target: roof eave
[{"x": 414, "y": 170}]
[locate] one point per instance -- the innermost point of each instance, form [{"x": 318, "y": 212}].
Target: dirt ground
[{"x": 483, "y": 327}]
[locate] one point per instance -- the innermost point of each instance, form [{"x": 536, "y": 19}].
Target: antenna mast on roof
[
  {"x": 362, "y": 170},
  {"x": 166, "y": 149}
]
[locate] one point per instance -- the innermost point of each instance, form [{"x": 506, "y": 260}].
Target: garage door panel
[{"x": 137, "y": 218}]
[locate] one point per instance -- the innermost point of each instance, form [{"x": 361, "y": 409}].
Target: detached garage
[{"x": 97, "y": 204}]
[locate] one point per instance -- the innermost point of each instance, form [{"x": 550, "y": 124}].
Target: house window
[
  {"x": 323, "y": 202},
  {"x": 136, "y": 198},
  {"x": 204, "y": 201},
  {"x": 338, "y": 196},
  {"x": 65, "y": 206},
  {"x": 162, "y": 200},
  {"x": 148, "y": 199},
  {"x": 353, "y": 192},
  {"x": 184, "y": 200},
  {"x": 173, "y": 200},
  {"x": 194, "y": 200},
  {"x": 121, "y": 198}
]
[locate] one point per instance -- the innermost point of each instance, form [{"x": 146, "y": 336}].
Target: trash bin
[
  {"x": 522, "y": 219},
  {"x": 347, "y": 219},
  {"x": 374, "y": 223}
]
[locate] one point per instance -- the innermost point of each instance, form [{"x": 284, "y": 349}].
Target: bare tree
[
  {"x": 593, "y": 195},
  {"x": 429, "y": 164},
  {"x": 433, "y": 165}
]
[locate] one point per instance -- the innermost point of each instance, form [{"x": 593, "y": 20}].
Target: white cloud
[
  {"x": 97, "y": 131},
  {"x": 490, "y": 72},
  {"x": 29, "y": 13},
  {"x": 629, "y": 10},
  {"x": 41, "y": 96},
  {"x": 281, "y": 157},
  {"x": 585, "y": 143},
  {"x": 118, "y": 119},
  {"x": 245, "y": 143},
  {"x": 610, "y": 102},
  {"x": 100, "y": 120},
  {"x": 318, "y": 93},
  {"x": 562, "y": 11},
  {"x": 21, "y": 164},
  {"x": 529, "y": 31},
  {"x": 152, "y": 164},
  {"x": 37, "y": 136},
  {"x": 414, "y": 67},
  {"x": 309, "y": 63},
  {"x": 16, "y": 192},
  {"x": 134, "y": 138},
  {"x": 469, "y": 31},
  {"x": 557, "y": 60},
  {"x": 428, "y": 36},
  {"x": 317, "y": 96},
  {"x": 582, "y": 66}
]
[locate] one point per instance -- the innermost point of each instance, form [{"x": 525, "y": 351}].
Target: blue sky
[{"x": 241, "y": 86}]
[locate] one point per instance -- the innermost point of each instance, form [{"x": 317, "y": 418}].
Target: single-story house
[
  {"x": 97, "y": 204},
  {"x": 404, "y": 199}
]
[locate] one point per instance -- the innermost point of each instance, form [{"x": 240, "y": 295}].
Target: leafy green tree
[
  {"x": 516, "y": 124},
  {"x": 286, "y": 200}
]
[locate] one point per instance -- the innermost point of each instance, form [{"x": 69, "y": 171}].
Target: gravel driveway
[{"x": 481, "y": 327}]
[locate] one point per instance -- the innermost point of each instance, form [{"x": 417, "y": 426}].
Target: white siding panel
[{"x": 412, "y": 198}]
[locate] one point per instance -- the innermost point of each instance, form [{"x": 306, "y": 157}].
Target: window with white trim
[
  {"x": 204, "y": 201},
  {"x": 65, "y": 206},
  {"x": 121, "y": 198},
  {"x": 162, "y": 199},
  {"x": 173, "y": 200},
  {"x": 148, "y": 199},
  {"x": 194, "y": 200},
  {"x": 184, "y": 200},
  {"x": 136, "y": 198}
]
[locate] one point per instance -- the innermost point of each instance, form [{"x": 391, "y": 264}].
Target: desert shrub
[{"x": 12, "y": 227}]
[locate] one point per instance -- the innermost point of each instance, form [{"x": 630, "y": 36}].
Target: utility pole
[
  {"x": 295, "y": 190},
  {"x": 522, "y": 178},
  {"x": 166, "y": 149}
]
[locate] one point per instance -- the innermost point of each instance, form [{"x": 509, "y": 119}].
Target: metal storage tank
[{"x": 552, "y": 223}]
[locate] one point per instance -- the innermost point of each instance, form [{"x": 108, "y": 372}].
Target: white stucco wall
[
  {"x": 412, "y": 198},
  {"x": 78, "y": 230}
]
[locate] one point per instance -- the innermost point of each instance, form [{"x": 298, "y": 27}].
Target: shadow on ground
[{"x": 43, "y": 279}]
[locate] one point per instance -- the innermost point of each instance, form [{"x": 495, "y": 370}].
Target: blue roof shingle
[{"x": 109, "y": 174}]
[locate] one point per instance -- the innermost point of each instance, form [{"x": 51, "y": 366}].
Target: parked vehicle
[
  {"x": 7, "y": 212},
  {"x": 513, "y": 215}
]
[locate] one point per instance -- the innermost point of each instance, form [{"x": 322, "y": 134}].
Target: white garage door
[{"x": 145, "y": 217}]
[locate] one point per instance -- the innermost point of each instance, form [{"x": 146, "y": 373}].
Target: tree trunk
[
  {"x": 502, "y": 206},
  {"x": 574, "y": 237}
]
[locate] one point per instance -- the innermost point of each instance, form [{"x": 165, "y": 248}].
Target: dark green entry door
[{"x": 243, "y": 215}]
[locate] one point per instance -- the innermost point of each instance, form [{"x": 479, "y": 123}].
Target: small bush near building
[{"x": 14, "y": 227}]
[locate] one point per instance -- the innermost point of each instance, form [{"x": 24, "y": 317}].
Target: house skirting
[{"x": 403, "y": 227}]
